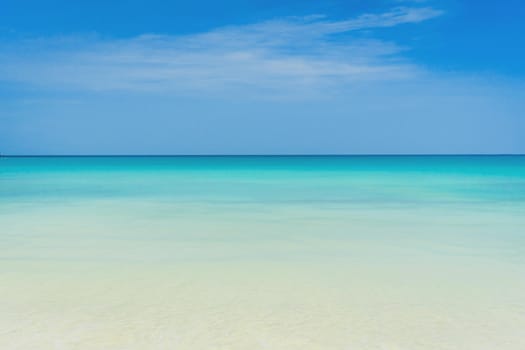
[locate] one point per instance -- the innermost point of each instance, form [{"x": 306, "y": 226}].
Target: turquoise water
[{"x": 412, "y": 252}]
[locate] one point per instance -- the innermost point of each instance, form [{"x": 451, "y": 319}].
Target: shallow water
[{"x": 262, "y": 253}]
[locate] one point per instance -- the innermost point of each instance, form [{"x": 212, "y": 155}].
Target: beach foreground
[{"x": 262, "y": 253}]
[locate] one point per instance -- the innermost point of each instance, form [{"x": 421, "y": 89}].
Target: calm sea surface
[{"x": 276, "y": 253}]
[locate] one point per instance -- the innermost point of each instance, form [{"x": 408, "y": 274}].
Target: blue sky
[{"x": 262, "y": 77}]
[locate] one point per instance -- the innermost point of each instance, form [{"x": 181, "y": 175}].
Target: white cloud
[{"x": 279, "y": 56}]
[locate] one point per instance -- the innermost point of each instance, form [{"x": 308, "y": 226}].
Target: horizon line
[{"x": 261, "y": 155}]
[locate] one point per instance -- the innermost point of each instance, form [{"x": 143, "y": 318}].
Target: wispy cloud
[{"x": 291, "y": 54}]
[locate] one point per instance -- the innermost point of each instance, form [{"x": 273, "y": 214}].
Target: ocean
[{"x": 262, "y": 252}]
